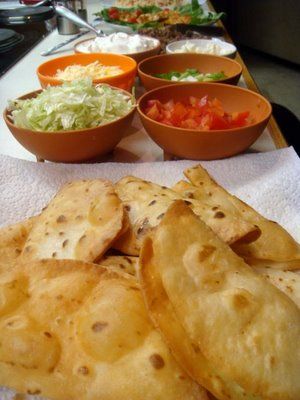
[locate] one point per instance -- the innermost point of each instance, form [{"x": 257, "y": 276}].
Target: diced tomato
[
  {"x": 189, "y": 123},
  {"x": 219, "y": 122},
  {"x": 113, "y": 13},
  {"x": 203, "y": 101},
  {"x": 169, "y": 105},
  {"x": 151, "y": 103},
  {"x": 193, "y": 101},
  {"x": 178, "y": 114},
  {"x": 194, "y": 113},
  {"x": 239, "y": 119},
  {"x": 153, "y": 112}
]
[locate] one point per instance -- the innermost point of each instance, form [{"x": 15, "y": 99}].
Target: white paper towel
[{"x": 269, "y": 182}]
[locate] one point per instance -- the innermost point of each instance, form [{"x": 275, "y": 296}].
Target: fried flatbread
[
  {"x": 286, "y": 281},
  {"x": 12, "y": 240},
  {"x": 81, "y": 222},
  {"x": 274, "y": 244},
  {"x": 146, "y": 203},
  {"x": 234, "y": 332},
  {"x": 73, "y": 330},
  {"x": 128, "y": 264}
]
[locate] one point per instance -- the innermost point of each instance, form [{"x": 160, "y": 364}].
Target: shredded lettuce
[{"x": 72, "y": 106}]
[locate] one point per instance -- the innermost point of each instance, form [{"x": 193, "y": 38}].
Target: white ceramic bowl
[{"x": 203, "y": 46}]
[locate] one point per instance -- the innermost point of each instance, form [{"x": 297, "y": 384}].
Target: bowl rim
[
  {"x": 230, "y": 45},
  {"x": 158, "y": 46},
  {"x": 34, "y": 93},
  {"x": 107, "y": 79},
  {"x": 168, "y": 55},
  {"x": 220, "y": 131}
]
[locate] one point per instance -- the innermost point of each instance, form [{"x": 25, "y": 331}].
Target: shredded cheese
[{"x": 94, "y": 70}]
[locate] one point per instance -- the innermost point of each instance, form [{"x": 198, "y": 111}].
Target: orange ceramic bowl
[
  {"x": 70, "y": 146},
  {"x": 136, "y": 56},
  {"x": 47, "y": 70},
  {"x": 180, "y": 62},
  {"x": 207, "y": 145}
]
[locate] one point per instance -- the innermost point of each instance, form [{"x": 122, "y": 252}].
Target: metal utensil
[
  {"x": 62, "y": 44},
  {"x": 65, "y": 12}
]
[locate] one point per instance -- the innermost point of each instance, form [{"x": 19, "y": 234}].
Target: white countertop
[{"x": 22, "y": 78}]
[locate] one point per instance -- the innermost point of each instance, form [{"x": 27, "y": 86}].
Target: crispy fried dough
[
  {"x": 234, "y": 332},
  {"x": 128, "y": 264},
  {"x": 286, "y": 281},
  {"x": 146, "y": 203},
  {"x": 73, "y": 330},
  {"x": 12, "y": 240},
  {"x": 275, "y": 243},
  {"x": 80, "y": 222}
]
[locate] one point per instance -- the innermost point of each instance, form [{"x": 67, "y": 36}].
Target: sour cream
[
  {"x": 212, "y": 46},
  {"x": 209, "y": 48},
  {"x": 119, "y": 43}
]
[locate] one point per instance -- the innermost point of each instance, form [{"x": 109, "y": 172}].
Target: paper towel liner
[{"x": 269, "y": 182}]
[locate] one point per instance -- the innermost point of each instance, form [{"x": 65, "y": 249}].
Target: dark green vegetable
[
  {"x": 198, "y": 17},
  {"x": 191, "y": 72}
]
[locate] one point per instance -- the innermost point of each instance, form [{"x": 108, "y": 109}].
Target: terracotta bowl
[
  {"x": 47, "y": 70},
  {"x": 207, "y": 145},
  {"x": 70, "y": 146},
  {"x": 180, "y": 62},
  {"x": 136, "y": 56}
]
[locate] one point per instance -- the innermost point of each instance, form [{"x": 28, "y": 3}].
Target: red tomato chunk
[{"x": 194, "y": 113}]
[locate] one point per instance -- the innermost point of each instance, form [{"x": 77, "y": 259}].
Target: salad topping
[
  {"x": 72, "y": 106},
  {"x": 195, "y": 113},
  {"x": 191, "y": 75},
  {"x": 94, "y": 70}
]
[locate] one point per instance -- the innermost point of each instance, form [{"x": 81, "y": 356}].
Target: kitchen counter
[{"x": 22, "y": 78}]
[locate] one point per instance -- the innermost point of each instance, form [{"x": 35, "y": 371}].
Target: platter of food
[
  {"x": 139, "y": 17},
  {"x": 157, "y": 3},
  {"x": 87, "y": 281}
]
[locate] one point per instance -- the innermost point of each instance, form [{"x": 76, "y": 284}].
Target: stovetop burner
[
  {"x": 21, "y": 28},
  {"x": 25, "y": 38},
  {"x": 9, "y": 39}
]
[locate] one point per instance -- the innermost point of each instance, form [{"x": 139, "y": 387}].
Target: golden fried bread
[
  {"x": 234, "y": 332},
  {"x": 81, "y": 222},
  {"x": 74, "y": 330},
  {"x": 128, "y": 264},
  {"x": 275, "y": 243},
  {"x": 286, "y": 281},
  {"x": 146, "y": 203},
  {"x": 12, "y": 240}
]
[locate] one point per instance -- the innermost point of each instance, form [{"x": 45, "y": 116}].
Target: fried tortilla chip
[
  {"x": 286, "y": 281},
  {"x": 128, "y": 264},
  {"x": 274, "y": 244},
  {"x": 234, "y": 332},
  {"x": 81, "y": 222},
  {"x": 73, "y": 330},
  {"x": 147, "y": 202},
  {"x": 12, "y": 240}
]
